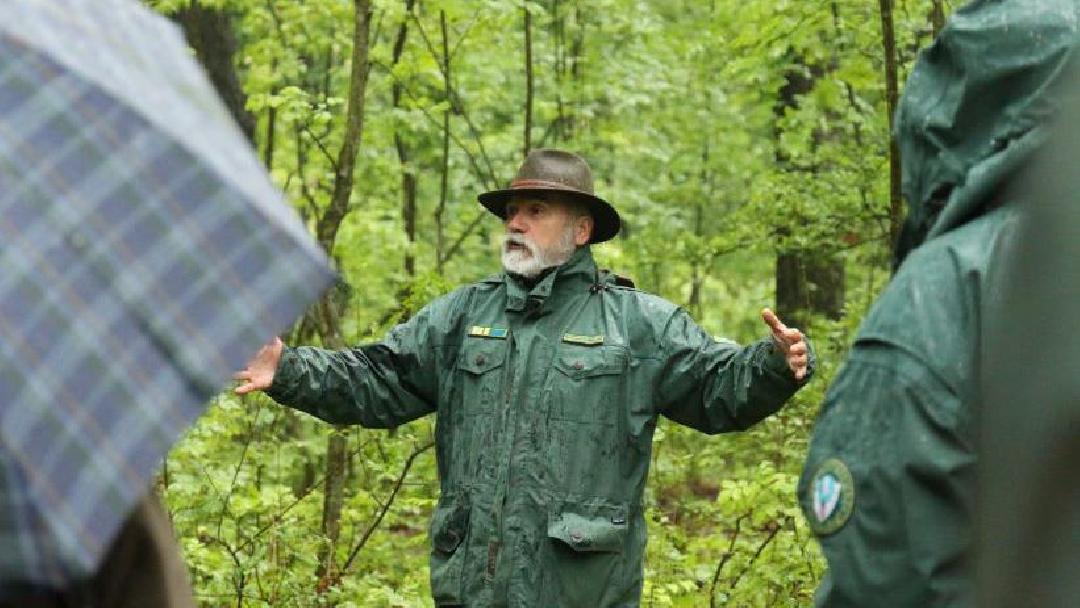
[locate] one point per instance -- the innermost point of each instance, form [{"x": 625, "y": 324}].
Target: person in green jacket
[
  {"x": 547, "y": 381},
  {"x": 889, "y": 485}
]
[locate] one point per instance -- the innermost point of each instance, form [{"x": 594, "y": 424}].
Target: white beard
[{"x": 535, "y": 260}]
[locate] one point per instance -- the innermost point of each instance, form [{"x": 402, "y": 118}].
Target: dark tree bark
[
  {"x": 805, "y": 283},
  {"x": 937, "y": 17},
  {"x": 892, "y": 95},
  {"x": 408, "y": 175},
  {"x": 567, "y": 71},
  {"x": 330, "y": 222},
  {"x": 209, "y": 31},
  {"x": 268, "y": 146},
  {"x": 808, "y": 281}
]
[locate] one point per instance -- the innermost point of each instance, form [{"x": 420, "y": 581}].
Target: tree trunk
[
  {"x": 892, "y": 95},
  {"x": 528, "y": 82},
  {"x": 327, "y": 229},
  {"x": 209, "y": 31},
  {"x": 333, "y": 499},
  {"x": 697, "y": 273},
  {"x": 807, "y": 284},
  {"x": 577, "y": 64},
  {"x": 937, "y": 17},
  {"x": 330, "y": 222},
  {"x": 558, "y": 37},
  {"x": 271, "y": 126},
  {"x": 408, "y": 175},
  {"x": 697, "y": 276},
  {"x": 808, "y": 281},
  {"x": 271, "y": 133},
  {"x": 444, "y": 179}
]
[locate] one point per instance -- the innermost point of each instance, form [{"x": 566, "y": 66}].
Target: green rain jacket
[
  {"x": 546, "y": 401},
  {"x": 889, "y": 481}
]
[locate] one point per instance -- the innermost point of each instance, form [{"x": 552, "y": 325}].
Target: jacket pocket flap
[
  {"x": 590, "y": 530},
  {"x": 479, "y": 355},
  {"x": 585, "y": 361},
  {"x": 449, "y": 524}
]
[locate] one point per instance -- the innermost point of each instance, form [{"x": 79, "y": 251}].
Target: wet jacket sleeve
[
  {"x": 905, "y": 437},
  {"x": 378, "y": 385},
  {"x": 715, "y": 385}
]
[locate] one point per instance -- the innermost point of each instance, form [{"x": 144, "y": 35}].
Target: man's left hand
[{"x": 788, "y": 341}]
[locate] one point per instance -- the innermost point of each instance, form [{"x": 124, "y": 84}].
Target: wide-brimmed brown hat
[{"x": 562, "y": 172}]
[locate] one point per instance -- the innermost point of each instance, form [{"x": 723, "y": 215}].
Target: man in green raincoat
[
  {"x": 547, "y": 381},
  {"x": 889, "y": 484}
]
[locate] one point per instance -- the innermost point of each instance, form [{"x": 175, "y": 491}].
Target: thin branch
[
  {"x": 456, "y": 102},
  {"x": 464, "y": 235},
  {"x": 488, "y": 180},
  {"x": 317, "y": 139},
  {"x": 725, "y": 557},
  {"x": 464, "y": 35},
  {"x": 280, "y": 517},
  {"x": 239, "y": 465},
  {"x": 775, "y": 529},
  {"x": 386, "y": 507}
]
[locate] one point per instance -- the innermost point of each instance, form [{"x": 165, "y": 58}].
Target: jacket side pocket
[
  {"x": 449, "y": 528},
  {"x": 585, "y": 563}
]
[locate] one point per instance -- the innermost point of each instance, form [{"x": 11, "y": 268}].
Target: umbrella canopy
[{"x": 144, "y": 255}]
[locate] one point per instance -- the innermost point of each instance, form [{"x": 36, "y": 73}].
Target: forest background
[{"x": 746, "y": 145}]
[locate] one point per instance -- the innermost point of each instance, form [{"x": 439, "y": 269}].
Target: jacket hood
[{"x": 977, "y": 105}]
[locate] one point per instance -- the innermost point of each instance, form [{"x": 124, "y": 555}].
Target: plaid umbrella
[{"x": 144, "y": 255}]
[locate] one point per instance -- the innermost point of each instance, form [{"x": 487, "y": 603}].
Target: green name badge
[{"x": 583, "y": 340}]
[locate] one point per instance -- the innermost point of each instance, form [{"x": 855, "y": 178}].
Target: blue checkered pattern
[{"x": 144, "y": 256}]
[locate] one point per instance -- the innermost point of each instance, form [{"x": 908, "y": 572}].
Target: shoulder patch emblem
[
  {"x": 480, "y": 331},
  {"x": 583, "y": 340},
  {"x": 832, "y": 497}
]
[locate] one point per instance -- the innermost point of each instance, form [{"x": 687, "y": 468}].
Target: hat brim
[{"x": 606, "y": 219}]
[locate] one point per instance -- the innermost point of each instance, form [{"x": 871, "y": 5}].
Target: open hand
[
  {"x": 259, "y": 373},
  {"x": 788, "y": 341}
]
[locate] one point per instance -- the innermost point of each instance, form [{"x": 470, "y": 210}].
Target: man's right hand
[{"x": 259, "y": 373}]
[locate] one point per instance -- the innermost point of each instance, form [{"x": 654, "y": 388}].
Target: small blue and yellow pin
[{"x": 480, "y": 331}]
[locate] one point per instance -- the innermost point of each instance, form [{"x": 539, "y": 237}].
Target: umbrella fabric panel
[
  {"x": 141, "y": 59},
  {"x": 133, "y": 280},
  {"x": 25, "y": 544}
]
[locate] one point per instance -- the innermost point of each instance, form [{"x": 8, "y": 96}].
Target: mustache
[{"x": 518, "y": 239}]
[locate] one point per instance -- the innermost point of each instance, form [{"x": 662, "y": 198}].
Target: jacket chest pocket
[
  {"x": 587, "y": 384},
  {"x": 480, "y": 370}
]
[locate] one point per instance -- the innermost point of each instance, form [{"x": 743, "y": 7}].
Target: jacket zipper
[{"x": 494, "y": 542}]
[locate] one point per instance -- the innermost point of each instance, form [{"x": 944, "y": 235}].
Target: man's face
[{"x": 540, "y": 233}]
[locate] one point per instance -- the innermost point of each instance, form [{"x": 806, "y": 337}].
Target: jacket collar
[{"x": 579, "y": 269}]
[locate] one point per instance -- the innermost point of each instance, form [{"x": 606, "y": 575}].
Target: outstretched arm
[
  {"x": 378, "y": 385},
  {"x": 717, "y": 386}
]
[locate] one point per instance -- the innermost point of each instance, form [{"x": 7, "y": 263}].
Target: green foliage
[{"x": 680, "y": 107}]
